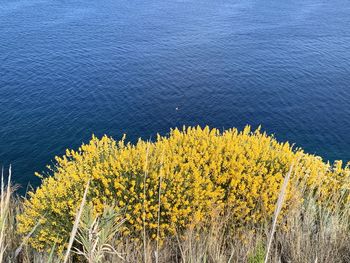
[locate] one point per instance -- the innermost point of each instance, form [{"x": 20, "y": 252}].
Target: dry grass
[
  {"x": 309, "y": 233},
  {"x": 76, "y": 224}
]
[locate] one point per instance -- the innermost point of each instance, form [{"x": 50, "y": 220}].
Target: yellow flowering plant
[{"x": 174, "y": 182}]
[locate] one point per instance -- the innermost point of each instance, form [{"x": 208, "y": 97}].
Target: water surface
[{"x": 72, "y": 68}]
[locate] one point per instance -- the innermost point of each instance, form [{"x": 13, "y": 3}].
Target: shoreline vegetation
[{"x": 197, "y": 195}]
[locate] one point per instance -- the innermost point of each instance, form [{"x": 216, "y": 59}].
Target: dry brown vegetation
[{"x": 308, "y": 233}]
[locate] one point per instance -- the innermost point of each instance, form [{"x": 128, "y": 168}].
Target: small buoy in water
[{"x": 177, "y": 108}]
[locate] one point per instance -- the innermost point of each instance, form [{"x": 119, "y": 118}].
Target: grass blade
[{"x": 76, "y": 224}]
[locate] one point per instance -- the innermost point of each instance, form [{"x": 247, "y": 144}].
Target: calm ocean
[{"x": 71, "y": 68}]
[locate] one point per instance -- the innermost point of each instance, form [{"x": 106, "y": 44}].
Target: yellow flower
[{"x": 198, "y": 171}]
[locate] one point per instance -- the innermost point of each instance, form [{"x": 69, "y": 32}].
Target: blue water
[{"x": 72, "y": 68}]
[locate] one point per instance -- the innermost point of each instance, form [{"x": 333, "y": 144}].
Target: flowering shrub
[{"x": 177, "y": 180}]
